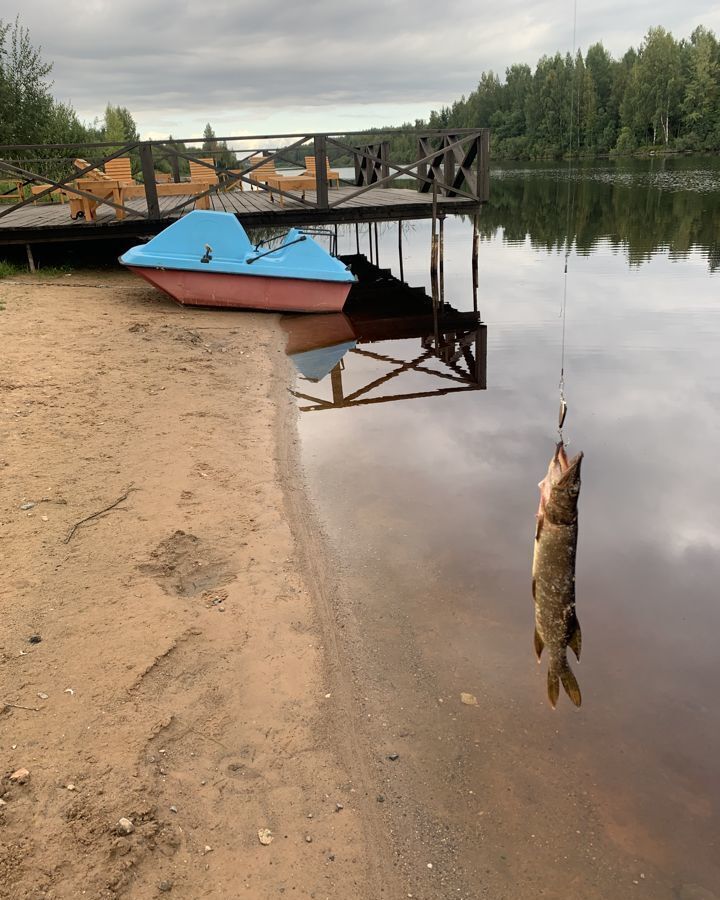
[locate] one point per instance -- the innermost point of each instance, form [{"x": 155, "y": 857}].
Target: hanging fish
[{"x": 553, "y": 572}]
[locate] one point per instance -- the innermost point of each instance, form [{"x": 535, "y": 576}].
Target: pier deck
[{"x": 52, "y": 222}]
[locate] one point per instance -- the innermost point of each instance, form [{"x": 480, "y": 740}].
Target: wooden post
[
  {"x": 357, "y": 238},
  {"x": 441, "y": 253},
  {"x": 175, "y": 167},
  {"x": 321, "y": 180},
  {"x": 475, "y": 263},
  {"x": 148, "y": 173},
  {"x": 337, "y": 385},
  {"x": 449, "y": 164},
  {"x": 422, "y": 168},
  {"x": 370, "y": 241},
  {"x": 481, "y": 356},
  {"x": 358, "y": 160},
  {"x": 385, "y": 157},
  {"x": 483, "y": 166},
  {"x": 400, "y": 250},
  {"x": 433, "y": 263},
  {"x": 30, "y": 258},
  {"x": 377, "y": 248}
]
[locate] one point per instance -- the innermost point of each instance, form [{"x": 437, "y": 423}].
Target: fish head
[{"x": 561, "y": 506}]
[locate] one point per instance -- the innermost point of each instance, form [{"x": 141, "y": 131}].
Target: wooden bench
[
  {"x": 202, "y": 174},
  {"x": 311, "y": 171},
  {"x": 101, "y": 189},
  {"x": 13, "y": 193},
  {"x": 171, "y": 189},
  {"x": 236, "y": 185},
  {"x": 120, "y": 169},
  {"x": 267, "y": 174},
  {"x": 56, "y": 193}
]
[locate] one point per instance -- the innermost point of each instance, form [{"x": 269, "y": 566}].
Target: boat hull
[{"x": 233, "y": 291}]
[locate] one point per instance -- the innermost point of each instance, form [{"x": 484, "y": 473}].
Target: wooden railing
[{"x": 449, "y": 163}]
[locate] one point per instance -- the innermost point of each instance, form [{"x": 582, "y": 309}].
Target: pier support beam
[
  {"x": 148, "y": 173},
  {"x": 321, "y": 179},
  {"x": 475, "y": 263}
]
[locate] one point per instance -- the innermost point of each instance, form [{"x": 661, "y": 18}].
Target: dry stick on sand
[{"x": 98, "y": 513}]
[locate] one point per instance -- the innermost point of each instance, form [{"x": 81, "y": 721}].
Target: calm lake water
[{"x": 430, "y": 501}]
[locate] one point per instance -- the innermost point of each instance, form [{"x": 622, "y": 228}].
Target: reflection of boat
[
  {"x": 306, "y": 333},
  {"x": 207, "y": 259},
  {"x": 317, "y": 345}
]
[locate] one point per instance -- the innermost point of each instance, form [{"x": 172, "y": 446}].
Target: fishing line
[{"x": 562, "y": 413}]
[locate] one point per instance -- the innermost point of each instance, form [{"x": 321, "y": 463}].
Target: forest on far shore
[{"x": 661, "y": 96}]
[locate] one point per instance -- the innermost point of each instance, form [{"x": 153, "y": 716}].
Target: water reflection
[
  {"x": 673, "y": 206},
  {"x": 428, "y": 505},
  {"x": 328, "y": 345}
]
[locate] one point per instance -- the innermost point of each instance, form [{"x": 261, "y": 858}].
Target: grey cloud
[{"x": 212, "y": 58}]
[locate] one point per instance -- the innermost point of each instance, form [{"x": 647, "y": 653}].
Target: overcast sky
[{"x": 267, "y": 67}]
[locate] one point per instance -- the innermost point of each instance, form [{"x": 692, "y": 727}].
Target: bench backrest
[
  {"x": 96, "y": 174},
  {"x": 266, "y": 170},
  {"x": 202, "y": 174},
  {"x": 120, "y": 169},
  {"x": 310, "y": 162}
]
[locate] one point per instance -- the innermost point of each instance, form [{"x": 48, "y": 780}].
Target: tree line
[{"x": 663, "y": 95}]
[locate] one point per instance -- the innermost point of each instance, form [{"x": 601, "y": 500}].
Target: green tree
[
  {"x": 119, "y": 125},
  {"x": 700, "y": 111},
  {"x": 600, "y": 67},
  {"x": 209, "y": 139},
  {"x": 651, "y": 104},
  {"x": 25, "y": 98}
]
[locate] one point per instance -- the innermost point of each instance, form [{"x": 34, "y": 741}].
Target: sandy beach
[{"x": 172, "y": 660}]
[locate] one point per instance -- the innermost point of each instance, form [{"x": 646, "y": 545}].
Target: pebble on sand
[
  {"x": 20, "y": 776},
  {"x": 124, "y": 826},
  {"x": 265, "y": 836}
]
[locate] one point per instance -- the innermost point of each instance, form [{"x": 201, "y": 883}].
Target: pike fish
[{"x": 553, "y": 573}]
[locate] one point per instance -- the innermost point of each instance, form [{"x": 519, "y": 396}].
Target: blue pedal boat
[{"x": 207, "y": 259}]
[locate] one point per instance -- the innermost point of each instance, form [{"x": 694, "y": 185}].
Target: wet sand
[{"x": 187, "y": 672}]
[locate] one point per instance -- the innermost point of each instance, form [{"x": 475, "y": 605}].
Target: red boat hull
[{"x": 247, "y": 291}]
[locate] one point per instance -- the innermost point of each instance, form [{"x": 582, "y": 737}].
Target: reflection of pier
[{"x": 383, "y": 309}]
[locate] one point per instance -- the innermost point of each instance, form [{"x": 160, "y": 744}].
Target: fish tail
[{"x": 559, "y": 672}]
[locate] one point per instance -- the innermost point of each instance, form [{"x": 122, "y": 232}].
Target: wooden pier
[{"x": 448, "y": 176}]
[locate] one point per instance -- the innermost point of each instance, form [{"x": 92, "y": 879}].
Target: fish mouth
[
  {"x": 562, "y": 473},
  {"x": 569, "y": 468}
]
